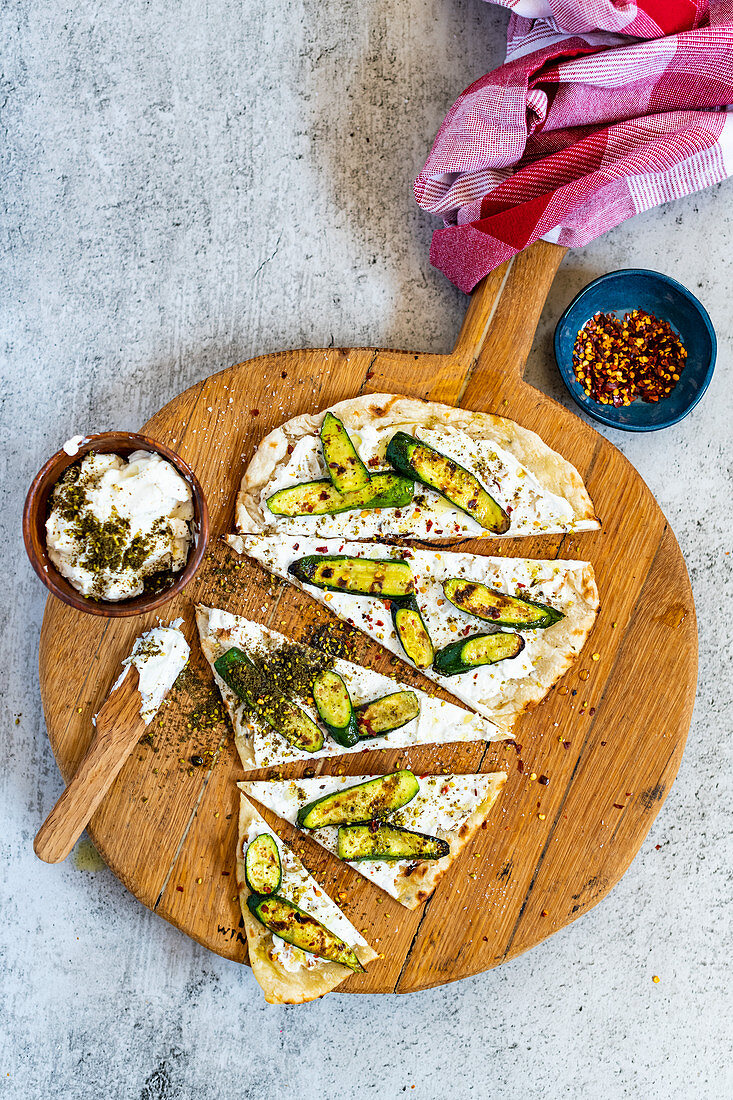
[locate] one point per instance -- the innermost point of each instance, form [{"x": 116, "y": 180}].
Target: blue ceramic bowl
[{"x": 635, "y": 288}]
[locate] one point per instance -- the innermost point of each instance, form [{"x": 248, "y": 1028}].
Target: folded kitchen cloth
[{"x": 603, "y": 108}]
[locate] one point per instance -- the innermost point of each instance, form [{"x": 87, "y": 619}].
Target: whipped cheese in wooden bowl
[{"x": 115, "y": 524}]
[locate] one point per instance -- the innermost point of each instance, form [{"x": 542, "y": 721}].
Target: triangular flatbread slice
[
  {"x": 259, "y": 746},
  {"x": 539, "y": 489},
  {"x": 499, "y": 692},
  {"x": 287, "y": 975},
  {"x": 452, "y": 807}
]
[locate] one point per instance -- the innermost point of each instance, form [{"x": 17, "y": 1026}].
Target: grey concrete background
[{"x": 185, "y": 186}]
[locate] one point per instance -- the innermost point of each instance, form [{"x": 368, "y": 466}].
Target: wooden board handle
[
  {"x": 499, "y": 327},
  {"x": 119, "y": 727}
]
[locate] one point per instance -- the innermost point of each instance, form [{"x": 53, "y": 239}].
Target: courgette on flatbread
[
  {"x": 286, "y": 974},
  {"x": 259, "y": 745},
  {"x": 449, "y": 807},
  {"x": 500, "y": 692},
  {"x": 535, "y": 489}
]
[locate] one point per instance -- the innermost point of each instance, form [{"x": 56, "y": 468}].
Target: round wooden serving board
[{"x": 609, "y": 737}]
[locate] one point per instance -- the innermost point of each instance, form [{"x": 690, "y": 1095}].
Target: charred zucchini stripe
[
  {"x": 296, "y": 927},
  {"x": 387, "y": 842},
  {"x": 363, "y": 802},
  {"x": 388, "y": 577},
  {"x": 391, "y": 712},
  {"x": 413, "y": 458},
  {"x": 262, "y": 867},
  {"x": 346, "y": 470},
  {"x": 239, "y": 673},
  {"x": 335, "y": 709},
  {"x": 412, "y": 632},
  {"x": 468, "y": 654},
  {"x": 498, "y": 607},
  {"x": 321, "y": 498}
]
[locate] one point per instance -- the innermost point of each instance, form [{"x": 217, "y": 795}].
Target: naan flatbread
[
  {"x": 499, "y": 692},
  {"x": 289, "y": 976},
  {"x": 541, "y": 491},
  {"x": 452, "y": 807},
  {"x": 260, "y": 746}
]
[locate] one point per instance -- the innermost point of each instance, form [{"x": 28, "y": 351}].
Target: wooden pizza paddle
[
  {"x": 119, "y": 726},
  {"x": 592, "y": 764}
]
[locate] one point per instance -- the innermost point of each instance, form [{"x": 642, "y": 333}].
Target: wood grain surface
[{"x": 608, "y": 739}]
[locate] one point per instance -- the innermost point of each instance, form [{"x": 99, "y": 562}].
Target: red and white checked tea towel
[{"x": 604, "y": 108}]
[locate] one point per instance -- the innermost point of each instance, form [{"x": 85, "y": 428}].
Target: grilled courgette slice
[
  {"x": 240, "y": 674},
  {"x": 388, "y": 578},
  {"x": 412, "y": 632},
  {"x": 295, "y": 926},
  {"x": 321, "y": 498},
  {"x": 362, "y": 802},
  {"x": 346, "y": 470},
  {"x": 498, "y": 607},
  {"x": 471, "y": 653},
  {"x": 387, "y": 842},
  {"x": 390, "y": 712},
  {"x": 334, "y": 707},
  {"x": 262, "y": 867},
  {"x": 415, "y": 459}
]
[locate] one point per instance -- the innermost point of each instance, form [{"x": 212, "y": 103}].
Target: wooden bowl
[{"x": 35, "y": 514}]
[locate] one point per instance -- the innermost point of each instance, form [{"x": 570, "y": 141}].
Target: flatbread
[
  {"x": 452, "y": 807},
  {"x": 280, "y": 985},
  {"x": 500, "y": 692},
  {"x": 541, "y": 490},
  {"x": 259, "y": 746}
]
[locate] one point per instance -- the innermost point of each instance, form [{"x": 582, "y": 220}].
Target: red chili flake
[
  {"x": 296, "y": 545},
  {"x": 180, "y": 889},
  {"x": 592, "y": 711},
  {"x": 321, "y": 549},
  {"x": 428, "y": 525},
  {"x": 254, "y": 412},
  {"x": 604, "y": 742},
  {"x": 374, "y": 461},
  {"x": 618, "y": 360},
  {"x": 544, "y": 780},
  {"x": 544, "y": 913},
  {"x": 566, "y": 744},
  {"x": 617, "y": 806},
  {"x": 520, "y": 766},
  {"x": 369, "y": 374},
  {"x": 226, "y": 874},
  {"x": 657, "y": 847},
  {"x": 290, "y": 448},
  {"x": 283, "y": 374}
]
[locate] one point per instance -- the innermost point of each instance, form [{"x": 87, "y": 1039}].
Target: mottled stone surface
[{"x": 185, "y": 186}]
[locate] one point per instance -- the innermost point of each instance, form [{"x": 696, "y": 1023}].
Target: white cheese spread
[
  {"x": 160, "y": 655},
  {"x": 71, "y": 446},
  {"x": 114, "y": 523}
]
